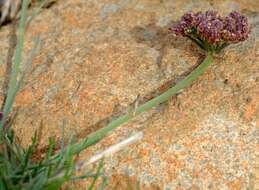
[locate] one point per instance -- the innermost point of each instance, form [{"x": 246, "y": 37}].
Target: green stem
[
  {"x": 12, "y": 87},
  {"x": 101, "y": 133},
  {"x": 197, "y": 41}
]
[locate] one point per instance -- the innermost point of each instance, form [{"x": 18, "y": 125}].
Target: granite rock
[{"x": 96, "y": 57}]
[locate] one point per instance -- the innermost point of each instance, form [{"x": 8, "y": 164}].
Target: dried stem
[{"x": 111, "y": 150}]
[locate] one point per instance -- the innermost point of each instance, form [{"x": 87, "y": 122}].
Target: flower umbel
[{"x": 211, "y": 31}]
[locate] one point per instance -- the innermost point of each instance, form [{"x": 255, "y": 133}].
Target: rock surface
[{"x": 96, "y": 57}]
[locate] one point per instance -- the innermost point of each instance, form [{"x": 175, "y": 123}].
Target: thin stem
[
  {"x": 16, "y": 66},
  {"x": 101, "y": 133},
  {"x": 197, "y": 41},
  {"x": 9, "y": 64}
]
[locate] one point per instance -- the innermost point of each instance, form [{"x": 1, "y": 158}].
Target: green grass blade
[
  {"x": 28, "y": 64},
  {"x": 100, "y": 166},
  {"x": 35, "y": 12},
  {"x": 104, "y": 183},
  {"x": 17, "y": 60}
]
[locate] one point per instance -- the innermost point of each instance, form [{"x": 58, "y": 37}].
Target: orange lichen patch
[
  {"x": 252, "y": 109},
  {"x": 144, "y": 152},
  {"x": 194, "y": 187},
  {"x": 88, "y": 92},
  {"x": 213, "y": 171},
  {"x": 71, "y": 19},
  {"x": 25, "y": 97},
  {"x": 39, "y": 28},
  {"x": 245, "y": 164},
  {"x": 235, "y": 184},
  {"x": 122, "y": 62},
  {"x": 196, "y": 172},
  {"x": 174, "y": 161},
  {"x": 78, "y": 20},
  {"x": 132, "y": 18},
  {"x": 93, "y": 101},
  {"x": 249, "y": 5},
  {"x": 125, "y": 182}
]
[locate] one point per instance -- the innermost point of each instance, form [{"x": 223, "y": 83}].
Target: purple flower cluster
[
  {"x": 236, "y": 28},
  {"x": 212, "y": 31}
]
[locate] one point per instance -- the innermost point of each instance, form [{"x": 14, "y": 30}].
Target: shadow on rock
[{"x": 160, "y": 38}]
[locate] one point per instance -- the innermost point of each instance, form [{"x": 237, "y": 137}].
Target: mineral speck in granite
[
  {"x": 108, "y": 9},
  {"x": 97, "y": 56}
]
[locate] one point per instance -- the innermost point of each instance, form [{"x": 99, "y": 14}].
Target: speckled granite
[{"x": 97, "y": 56}]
